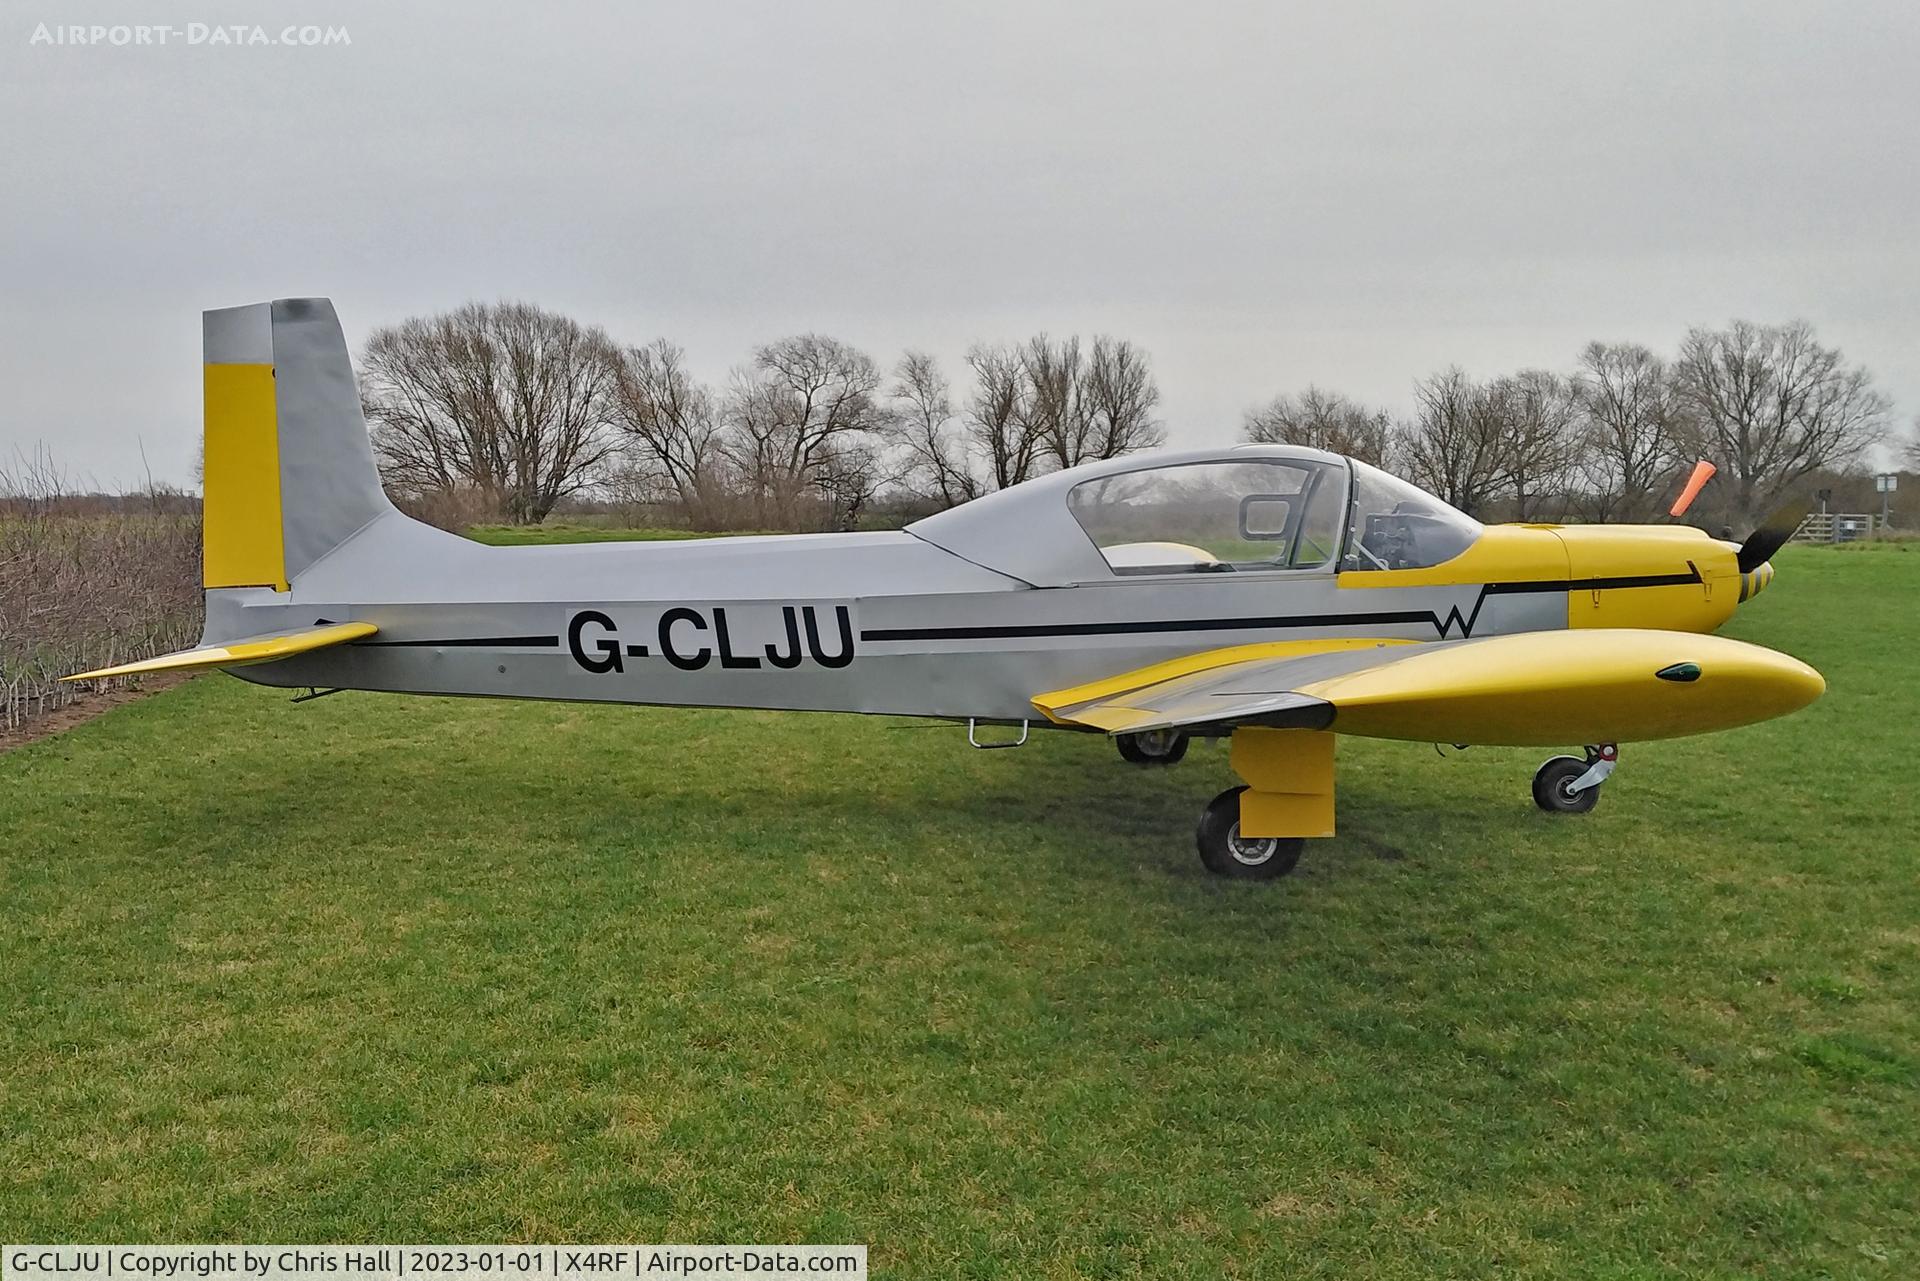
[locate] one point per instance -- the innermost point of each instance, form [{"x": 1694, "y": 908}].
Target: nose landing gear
[{"x": 1570, "y": 785}]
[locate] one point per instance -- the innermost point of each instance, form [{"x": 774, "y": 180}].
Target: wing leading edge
[
  {"x": 253, "y": 649},
  {"x": 1530, "y": 689}
]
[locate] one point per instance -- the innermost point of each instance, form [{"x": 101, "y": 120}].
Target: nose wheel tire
[
  {"x": 1552, "y": 784},
  {"x": 1247, "y": 858},
  {"x": 1155, "y": 747}
]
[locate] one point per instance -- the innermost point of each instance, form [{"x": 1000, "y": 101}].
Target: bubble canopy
[{"x": 1252, "y": 509}]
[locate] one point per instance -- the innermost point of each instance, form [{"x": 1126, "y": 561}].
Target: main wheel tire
[
  {"x": 1227, "y": 853},
  {"x": 1550, "y": 784},
  {"x": 1155, "y": 747}
]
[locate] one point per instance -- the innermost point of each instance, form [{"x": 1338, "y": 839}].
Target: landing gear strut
[
  {"x": 1570, "y": 785},
  {"x": 1248, "y": 858},
  {"x": 1155, "y": 747}
]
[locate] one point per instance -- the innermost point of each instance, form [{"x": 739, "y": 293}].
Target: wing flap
[{"x": 266, "y": 648}]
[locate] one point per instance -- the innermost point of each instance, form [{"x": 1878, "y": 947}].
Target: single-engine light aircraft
[{"x": 1275, "y": 596}]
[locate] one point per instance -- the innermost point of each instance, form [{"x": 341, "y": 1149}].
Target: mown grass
[
  {"x": 1897, "y": 541},
  {"x": 431, "y": 969}
]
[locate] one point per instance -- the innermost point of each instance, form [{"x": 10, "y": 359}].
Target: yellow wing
[
  {"x": 253, "y": 649},
  {"x": 1535, "y": 688}
]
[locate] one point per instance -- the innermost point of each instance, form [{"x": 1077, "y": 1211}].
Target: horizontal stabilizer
[{"x": 239, "y": 653}]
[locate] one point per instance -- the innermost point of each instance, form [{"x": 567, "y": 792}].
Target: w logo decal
[{"x": 1454, "y": 618}]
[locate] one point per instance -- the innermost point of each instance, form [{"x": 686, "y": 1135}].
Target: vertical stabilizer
[{"x": 289, "y": 471}]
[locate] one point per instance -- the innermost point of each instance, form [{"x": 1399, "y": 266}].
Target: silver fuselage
[{"x": 885, "y": 623}]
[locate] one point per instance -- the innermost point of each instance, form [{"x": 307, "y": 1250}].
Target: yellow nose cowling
[{"x": 1666, "y": 577}]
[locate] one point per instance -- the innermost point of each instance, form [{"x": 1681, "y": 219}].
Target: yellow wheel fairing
[{"x": 1289, "y": 777}]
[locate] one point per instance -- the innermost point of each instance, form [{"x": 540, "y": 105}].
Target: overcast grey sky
[{"x": 1262, "y": 194}]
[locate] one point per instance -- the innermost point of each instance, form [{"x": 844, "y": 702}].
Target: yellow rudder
[{"x": 242, "y": 540}]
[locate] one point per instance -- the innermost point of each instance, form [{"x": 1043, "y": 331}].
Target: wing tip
[{"x": 122, "y": 669}]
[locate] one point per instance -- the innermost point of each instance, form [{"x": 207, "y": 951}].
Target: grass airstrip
[{"x": 421, "y": 969}]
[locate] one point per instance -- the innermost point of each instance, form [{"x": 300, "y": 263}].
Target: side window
[
  {"x": 1398, "y": 526},
  {"x": 1201, "y": 518}
]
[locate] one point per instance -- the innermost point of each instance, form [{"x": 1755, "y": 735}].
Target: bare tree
[
  {"x": 1530, "y": 417},
  {"x": 1452, "y": 444},
  {"x": 790, "y": 409},
  {"x": 1044, "y": 404},
  {"x": 1053, "y": 384},
  {"x": 504, "y": 397},
  {"x": 938, "y": 464},
  {"x": 851, "y": 473},
  {"x": 1323, "y": 420},
  {"x": 1770, "y": 405},
  {"x": 1116, "y": 402},
  {"x": 1628, "y": 423},
  {"x": 1000, "y": 416},
  {"x": 675, "y": 425},
  {"x": 1088, "y": 403}
]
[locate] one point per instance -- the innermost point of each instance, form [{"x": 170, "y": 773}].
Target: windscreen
[{"x": 1398, "y": 526}]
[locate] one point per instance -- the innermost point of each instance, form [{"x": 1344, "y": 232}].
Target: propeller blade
[
  {"x": 1702, "y": 473},
  {"x": 1773, "y": 534}
]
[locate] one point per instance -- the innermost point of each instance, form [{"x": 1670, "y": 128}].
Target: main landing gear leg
[
  {"x": 1570, "y": 785},
  {"x": 1257, "y": 831}
]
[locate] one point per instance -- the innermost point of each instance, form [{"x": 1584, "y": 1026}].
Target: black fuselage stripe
[
  {"x": 1014, "y": 630},
  {"x": 474, "y": 642},
  {"x": 1598, "y": 584},
  {"x": 1443, "y": 625}
]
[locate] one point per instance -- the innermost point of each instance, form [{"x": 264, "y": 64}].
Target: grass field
[{"x": 427, "y": 970}]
